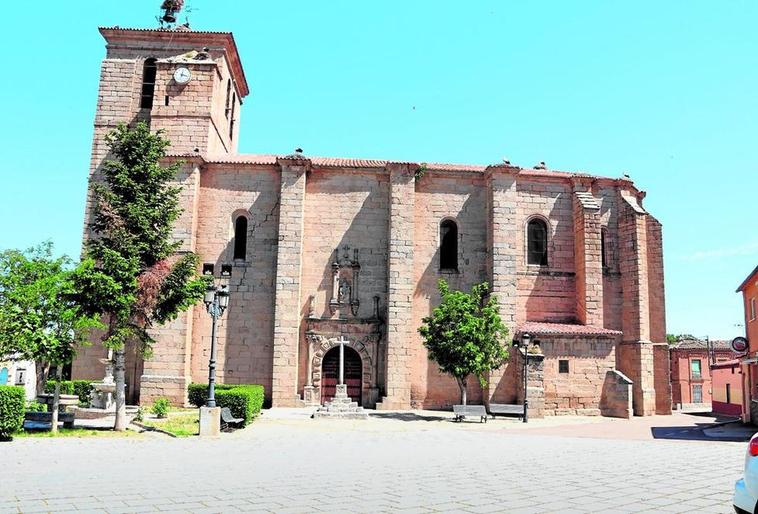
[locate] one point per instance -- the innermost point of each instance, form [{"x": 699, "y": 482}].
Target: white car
[{"x": 746, "y": 489}]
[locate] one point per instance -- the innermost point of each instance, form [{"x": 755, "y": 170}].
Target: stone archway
[
  {"x": 323, "y": 345},
  {"x": 352, "y": 375}
]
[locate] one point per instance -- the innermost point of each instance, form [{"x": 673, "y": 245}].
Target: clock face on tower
[{"x": 182, "y": 75}]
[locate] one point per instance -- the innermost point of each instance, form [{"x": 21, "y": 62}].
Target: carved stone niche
[{"x": 344, "y": 299}]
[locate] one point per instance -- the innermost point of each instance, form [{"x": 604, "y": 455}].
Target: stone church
[{"x": 319, "y": 249}]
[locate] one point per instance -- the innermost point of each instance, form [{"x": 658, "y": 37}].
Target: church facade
[{"x": 321, "y": 250}]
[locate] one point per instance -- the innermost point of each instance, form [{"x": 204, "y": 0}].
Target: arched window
[
  {"x": 240, "y": 238},
  {"x": 448, "y": 245},
  {"x": 536, "y": 233},
  {"x": 228, "y": 96},
  {"x": 148, "y": 83},
  {"x": 603, "y": 247}
]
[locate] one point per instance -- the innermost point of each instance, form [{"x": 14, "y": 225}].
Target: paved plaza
[{"x": 406, "y": 462}]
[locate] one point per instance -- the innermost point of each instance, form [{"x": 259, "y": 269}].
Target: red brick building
[
  {"x": 325, "y": 248},
  {"x": 749, "y": 290},
  {"x": 727, "y": 388},
  {"x": 691, "y": 360}
]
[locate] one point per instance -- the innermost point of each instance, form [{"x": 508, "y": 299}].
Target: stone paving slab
[{"x": 400, "y": 464}]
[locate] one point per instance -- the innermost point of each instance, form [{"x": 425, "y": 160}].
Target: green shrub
[
  {"x": 245, "y": 400},
  {"x": 160, "y": 407},
  {"x": 12, "y": 405},
  {"x": 81, "y": 388},
  {"x": 34, "y": 406}
]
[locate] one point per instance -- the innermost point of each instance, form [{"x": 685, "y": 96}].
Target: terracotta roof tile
[{"x": 542, "y": 328}]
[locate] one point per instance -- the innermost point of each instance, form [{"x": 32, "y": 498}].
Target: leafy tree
[
  {"x": 675, "y": 338},
  {"x": 134, "y": 276},
  {"x": 465, "y": 335},
  {"x": 39, "y": 317}
]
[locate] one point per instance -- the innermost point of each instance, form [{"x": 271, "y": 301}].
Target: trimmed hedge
[
  {"x": 12, "y": 405},
  {"x": 244, "y": 400},
  {"x": 81, "y": 388}
]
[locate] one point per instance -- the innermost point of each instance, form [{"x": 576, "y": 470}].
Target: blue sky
[{"x": 665, "y": 91}]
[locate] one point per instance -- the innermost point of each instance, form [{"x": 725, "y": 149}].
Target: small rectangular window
[
  {"x": 695, "y": 369},
  {"x": 729, "y": 393},
  {"x": 20, "y": 376},
  {"x": 563, "y": 366},
  {"x": 697, "y": 393},
  {"x": 752, "y": 309}
]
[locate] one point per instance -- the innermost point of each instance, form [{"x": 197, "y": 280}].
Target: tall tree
[
  {"x": 135, "y": 278},
  {"x": 465, "y": 335},
  {"x": 39, "y": 317}
]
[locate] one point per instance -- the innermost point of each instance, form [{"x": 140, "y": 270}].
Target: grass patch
[
  {"x": 180, "y": 422},
  {"x": 75, "y": 432}
]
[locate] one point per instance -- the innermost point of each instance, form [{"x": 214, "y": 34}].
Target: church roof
[
  {"x": 568, "y": 329},
  {"x": 348, "y": 162}
]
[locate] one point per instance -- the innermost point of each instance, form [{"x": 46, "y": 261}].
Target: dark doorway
[{"x": 330, "y": 374}]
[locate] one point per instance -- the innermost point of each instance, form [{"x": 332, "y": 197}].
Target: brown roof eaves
[{"x": 744, "y": 282}]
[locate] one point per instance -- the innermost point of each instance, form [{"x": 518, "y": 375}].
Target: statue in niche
[{"x": 344, "y": 292}]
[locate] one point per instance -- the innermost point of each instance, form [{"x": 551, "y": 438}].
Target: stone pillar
[
  {"x": 502, "y": 231},
  {"x": 400, "y": 287},
  {"x": 287, "y": 291},
  {"x": 535, "y": 382},
  {"x": 587, "y": 255},
  {"x": 634, "y": 355}
]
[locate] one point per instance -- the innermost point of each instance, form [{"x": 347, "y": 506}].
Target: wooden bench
[
  {"x": 47, "y": 417},
  {"x": 228, "y": 419},
  {"x": 506, "y": 409},
  {"x": 471, "y": 411}
]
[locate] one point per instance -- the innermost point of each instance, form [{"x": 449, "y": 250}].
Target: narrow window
[
  {"x": 537, "y": 242},
  {"x": 752, "y": 309},
  {"x": 603, "y": 248},
  {"x": 729, "y": 393},
  {"x": 228, "y": 96},
  {"x": 148, "y": 83},
  {"x": 3, "y": 376},
  {"x": 563, "y": 366},
  {"x": 240, "y": 238},
  {"x": 20, "y": 376},
  {"x": 695, "y": 369},
  {"x": 231, "y": 122},
  {"x": 448, "y": 245},
  {"x": 697, "y": 393}
]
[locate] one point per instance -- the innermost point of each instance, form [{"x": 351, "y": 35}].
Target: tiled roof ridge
[
  {"x": 543, "y": 327},
  {"x": 348, "y": 162}
]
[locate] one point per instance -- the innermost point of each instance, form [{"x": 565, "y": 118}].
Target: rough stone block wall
[
  {"x": 246, "y": 331},
  {"x": 662, "y": 378},
  {"x": 545, "y": 293},
  {"x": 287, "y": 315},
  {"x": 588, "y": 256},
  {"x": 344, "y": 210},
  {"x": 657, "y": 310},
  {"x": 440, "y": 196},
  {"x": 580, "y": 390},
  {"x": 616, "y": 397},
  {"x": 635, "y": 360}
]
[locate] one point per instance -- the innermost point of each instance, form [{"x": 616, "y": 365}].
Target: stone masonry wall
[
  {"x": 344, "y": 209},
  {"x": 581, "y": 389},
  {"x": 245, "y": 332},
  {"x": 439, "y": 196}
]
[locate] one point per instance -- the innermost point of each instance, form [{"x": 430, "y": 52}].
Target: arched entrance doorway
[{"x": 330, "y": 370}]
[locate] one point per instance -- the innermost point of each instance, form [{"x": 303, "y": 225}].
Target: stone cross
[{"x": 342, "y": 341}]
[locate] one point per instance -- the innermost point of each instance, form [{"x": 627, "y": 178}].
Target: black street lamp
[
  {"x": 525, "y": 338},
  {"x": 216, "y": 301}
]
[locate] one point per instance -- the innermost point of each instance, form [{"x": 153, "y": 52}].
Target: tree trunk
[
  {"x": 462, "y": 386},
  {"x": 56, "y": 399},
  {"x": 119, "y": 374}
]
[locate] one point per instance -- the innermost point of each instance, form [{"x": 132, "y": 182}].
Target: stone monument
[
  {"x": 341, "y": 406},
  {"x": 102, "y": 395}
]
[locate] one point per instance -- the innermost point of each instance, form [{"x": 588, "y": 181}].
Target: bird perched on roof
[{"x": 541, "y": 166}]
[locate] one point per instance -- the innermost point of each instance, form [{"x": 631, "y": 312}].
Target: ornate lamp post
[
  {"x": 525, "y": 338},
  {"x": 216, "y": 301}
]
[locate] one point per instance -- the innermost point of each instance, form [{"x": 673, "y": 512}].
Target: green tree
[
  {"x": 40, "y": 319},
  {"x": 134, "y": 276},
  {"x": 465, "y": 335}
]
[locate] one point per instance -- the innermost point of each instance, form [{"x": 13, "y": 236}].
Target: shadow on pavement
[
  {"x": 724, "y": 429},
  {"x": 409, "y": 416}
]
